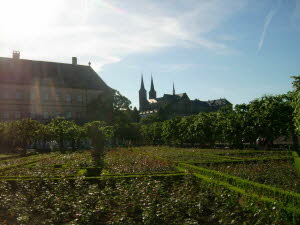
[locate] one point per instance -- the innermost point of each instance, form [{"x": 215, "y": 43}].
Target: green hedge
[
  {"x": 297, "y": 161},
  {"x": 266, "y": 159},
  {"x": 102, "y": 177},
  {"x": 287, "y": 197},
  {"x": 291, "y": 211}
]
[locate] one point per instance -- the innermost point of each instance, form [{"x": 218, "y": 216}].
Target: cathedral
[{"x": 176, "y": 104}]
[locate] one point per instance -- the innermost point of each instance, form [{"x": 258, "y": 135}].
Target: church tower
[
  {"x": 152, "y": 92},
  {"x": 143, "y": 96},
  {"x": 173, "y": 89}
]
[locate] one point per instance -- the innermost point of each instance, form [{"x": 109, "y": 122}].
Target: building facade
[
  {"x": 176, "y": 104},
  {"x": 45, "y": 90}
]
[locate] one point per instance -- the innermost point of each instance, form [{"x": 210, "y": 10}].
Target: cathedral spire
[
  {"x": 152, "y": 92},
  {"x": 173, "y": 88},
  {"x": 152, "y": 85},
  {"x": 142, "y": 83},
  {"x": 143, "y": 96}
]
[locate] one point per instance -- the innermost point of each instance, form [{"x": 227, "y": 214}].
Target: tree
[
  {"x": 97, "y": 137},
  {"x": 22, "y": 133},
  {"x": 170, "y": 131},
  {"x": 101, "y": 108},
  {"x": 120, "y": 102},
  {"x": 108, "y": 107},
  {"x": 60, "y": 131},
  {"x": 296, "y": 102},
  {"x": 204, "y": 128},
  {"x": 152, "y": 133},
  {"x": 135, "y": 116},
  {"x": 272, "y": 116}
]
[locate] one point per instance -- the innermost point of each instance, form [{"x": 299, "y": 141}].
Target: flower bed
[
  {"x": 277, "y": 173},
  {"x": 128, "y": 161},
  {"x": 171, "y": 200},
  {"x": 57, "y": 165}
]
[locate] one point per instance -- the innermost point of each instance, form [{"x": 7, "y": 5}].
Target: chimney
[
  {"x": 74, "y": 60},
  {"x": 16, "y": 55}
]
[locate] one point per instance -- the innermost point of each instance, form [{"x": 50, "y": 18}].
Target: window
[
  {"x": 58, "y": 96},
  {"x": 5, "y": 115},
  {"x": 45, "y": 96},
  {"x": 32, "y": 95},
  {"x": 68, "y": 98},
  {"x": 46, "y": 115},
  {"x": 17, "y": 115},
  {"x": 58, "y": 114},
  {"x": 6, "y": 95},
  {"x": 32, "y": 115},
  {"x": 19, "y": 95},
  {"x": 68, "y": 115},
  {"x": 79, "y": 98}
]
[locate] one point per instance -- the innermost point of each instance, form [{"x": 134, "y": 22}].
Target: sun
[{"x": 22, "y": 18}]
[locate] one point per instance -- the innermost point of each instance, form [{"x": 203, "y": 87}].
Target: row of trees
[
  {"x": 65, "y": 134},
  {"x": 269, "y": 117}
]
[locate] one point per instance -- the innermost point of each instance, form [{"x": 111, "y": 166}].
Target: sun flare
[{"x": 19, "y": 18}]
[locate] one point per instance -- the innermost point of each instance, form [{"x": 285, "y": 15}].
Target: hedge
[{"x": 287, "y": 197}]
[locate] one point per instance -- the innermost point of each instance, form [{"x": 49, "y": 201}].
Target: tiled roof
[{"x": 23, "y": 71}]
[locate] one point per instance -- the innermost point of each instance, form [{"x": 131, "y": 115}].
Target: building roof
[
  {"x": 152, "y": 101},
  {"x": 218, "y": 102},
  {"x": 23, "y": 71}
]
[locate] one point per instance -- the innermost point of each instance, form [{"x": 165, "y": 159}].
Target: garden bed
[
  {"x": 171, "y": 200},
  {"x": 278, "y": 173}
]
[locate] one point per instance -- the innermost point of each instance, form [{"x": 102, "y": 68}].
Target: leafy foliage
[{"x": 296, "y": 102}]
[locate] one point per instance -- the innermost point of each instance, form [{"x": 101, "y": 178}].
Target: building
[
  {"x": 176, "y": 104},
  {"x": 45, "y": 90}
]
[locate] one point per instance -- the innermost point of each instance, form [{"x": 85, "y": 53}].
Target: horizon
[{"x": 238, "y": 50}]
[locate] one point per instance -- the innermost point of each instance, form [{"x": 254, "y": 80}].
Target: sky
[{"x": 238, "y": 50}]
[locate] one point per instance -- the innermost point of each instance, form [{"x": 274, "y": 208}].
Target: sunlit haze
[{"x": 239, "y": 50}]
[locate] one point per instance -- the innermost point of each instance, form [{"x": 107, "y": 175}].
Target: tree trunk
[{"x": 295, "y": 142}]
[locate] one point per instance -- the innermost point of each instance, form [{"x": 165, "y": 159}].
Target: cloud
[
  {"x": 267, "y": 22},
  {"x": 104, "y": 32}
]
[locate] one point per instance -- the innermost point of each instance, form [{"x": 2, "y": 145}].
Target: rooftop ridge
[{"x": 32, "y": 60}]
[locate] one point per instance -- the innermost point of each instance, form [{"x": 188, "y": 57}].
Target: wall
[{"x": 43, "y": 101}]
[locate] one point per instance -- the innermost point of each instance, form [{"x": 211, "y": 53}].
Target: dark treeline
[{"x": 267, "y": 118}]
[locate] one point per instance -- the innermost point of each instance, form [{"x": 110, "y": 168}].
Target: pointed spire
[
  {"x": 142, "y": 83},
  {"x": 152, "y": 92},
  {"x": 173, "y": 88},
  {"x": 152, "y": 85}
]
